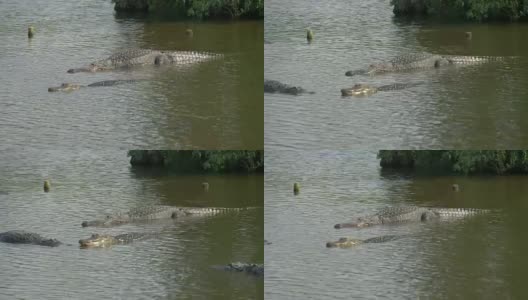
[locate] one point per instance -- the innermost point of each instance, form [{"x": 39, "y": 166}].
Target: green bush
[
  {"x": 200, "y": 161},
  {"x": 458, "y": 161},
  {"x": 474, "y": 10},
  {"x": 198, "y": 9}
]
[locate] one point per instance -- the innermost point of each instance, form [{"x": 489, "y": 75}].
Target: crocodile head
[
  {"x": 65, "y": 87},
  {"x": 359, "y": 90},
  {"x": 344, "y": 243},
  {"x": 371, "y": 70},
  {"x": 360, "y": 222},
  {"x": 100, "y": 66},
  {"x": 90, "y": 68},
  {"x": 106, "y": 222},
  {"x": 97, "y": 240},
  {"x": 379, "y": 68},
  {"x": 441, "y": 62}
]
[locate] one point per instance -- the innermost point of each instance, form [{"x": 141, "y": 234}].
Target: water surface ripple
[
  {"x": 482, "y": 257},
  {"x": 175, "y": 264},
  {"x": 213, "y": 105},
  {"x": 470, "y": 107}
]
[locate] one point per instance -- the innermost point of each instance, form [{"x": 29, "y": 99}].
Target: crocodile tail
[
  {"x": 459, "y": 212},
  {"x": 194, "y": 55},
  {"x": 215, "y": 210},
  {"x": 459, "y": 60}
]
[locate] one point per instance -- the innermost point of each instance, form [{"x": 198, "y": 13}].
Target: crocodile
[
  {"x": 367, "y": 90},
  {"x": 253, "y": 269},
  {"x": 346, "y": 242},
  {"x": 410, "y": 213},
  {"x": 106, "y": 240},
  {"x": 140, "y": 57},
  {"x": 25, "y": 237},
  {"x": 421, "y": 61},
  {"x": 69, "y": 87},
  {"x": 274, "y": 86},
  {"x": 156, "y": 212}
]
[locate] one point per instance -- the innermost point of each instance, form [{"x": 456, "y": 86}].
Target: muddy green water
[
  {"x": 87, "y": 185},
  {"x": 213, "y": 105},
  {"x": 482, "y": 257},
  {"x": 471, "y": 107}
]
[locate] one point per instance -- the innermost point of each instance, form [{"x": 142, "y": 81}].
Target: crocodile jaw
[
  {"x": 96, "y": 240},
  {"x": 344, "y": 243},
  {"x": 90, "y": 69},
  {"x": 359, "y": 224},
  {"x": 359, "y": 91},
  {"x": 65, "y": 87}
]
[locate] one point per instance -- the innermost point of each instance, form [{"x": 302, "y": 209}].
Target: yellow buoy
[
  {"x": 205, "y": 186},
  {"x": 309, "y": 35},
  {"x": 31, "y": 31},
  {"x": 296, "y": 188},
  {"x": 189, "y": 32},
  {"x": 47, "y": 185}
]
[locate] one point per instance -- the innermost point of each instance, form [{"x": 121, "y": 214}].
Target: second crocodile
[
  {"x": 25, "y": 237},
  {"x": 274, "y": 86},
  {"x": 409, "y": 214},
  {"x": 346, "y": 242},
  {"x": 422, "y": 61},
  {"x": 249, "y": 268},
  {"x": 69, "y": 87},
  {"x": 141, "y": 57},
  {"x": 155, "y": 212},
  {"x": 367, "y": 90},
  {"x": 106, "y": 240}
]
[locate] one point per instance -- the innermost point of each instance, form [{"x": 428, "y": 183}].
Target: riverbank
[
  {"x": 495, "y": 162},
  {"x": 195, "y": 9},
  {"x": 200, "y": 161},
  {"x": 477, "y": 10}
]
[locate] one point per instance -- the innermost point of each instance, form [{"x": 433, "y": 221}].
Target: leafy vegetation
[
  {"x": 200, "y": 161},
  {"x": 458, "y": 161},
  {"x": 199, "y": 9},
  {"x": 474, "y": 10}
]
